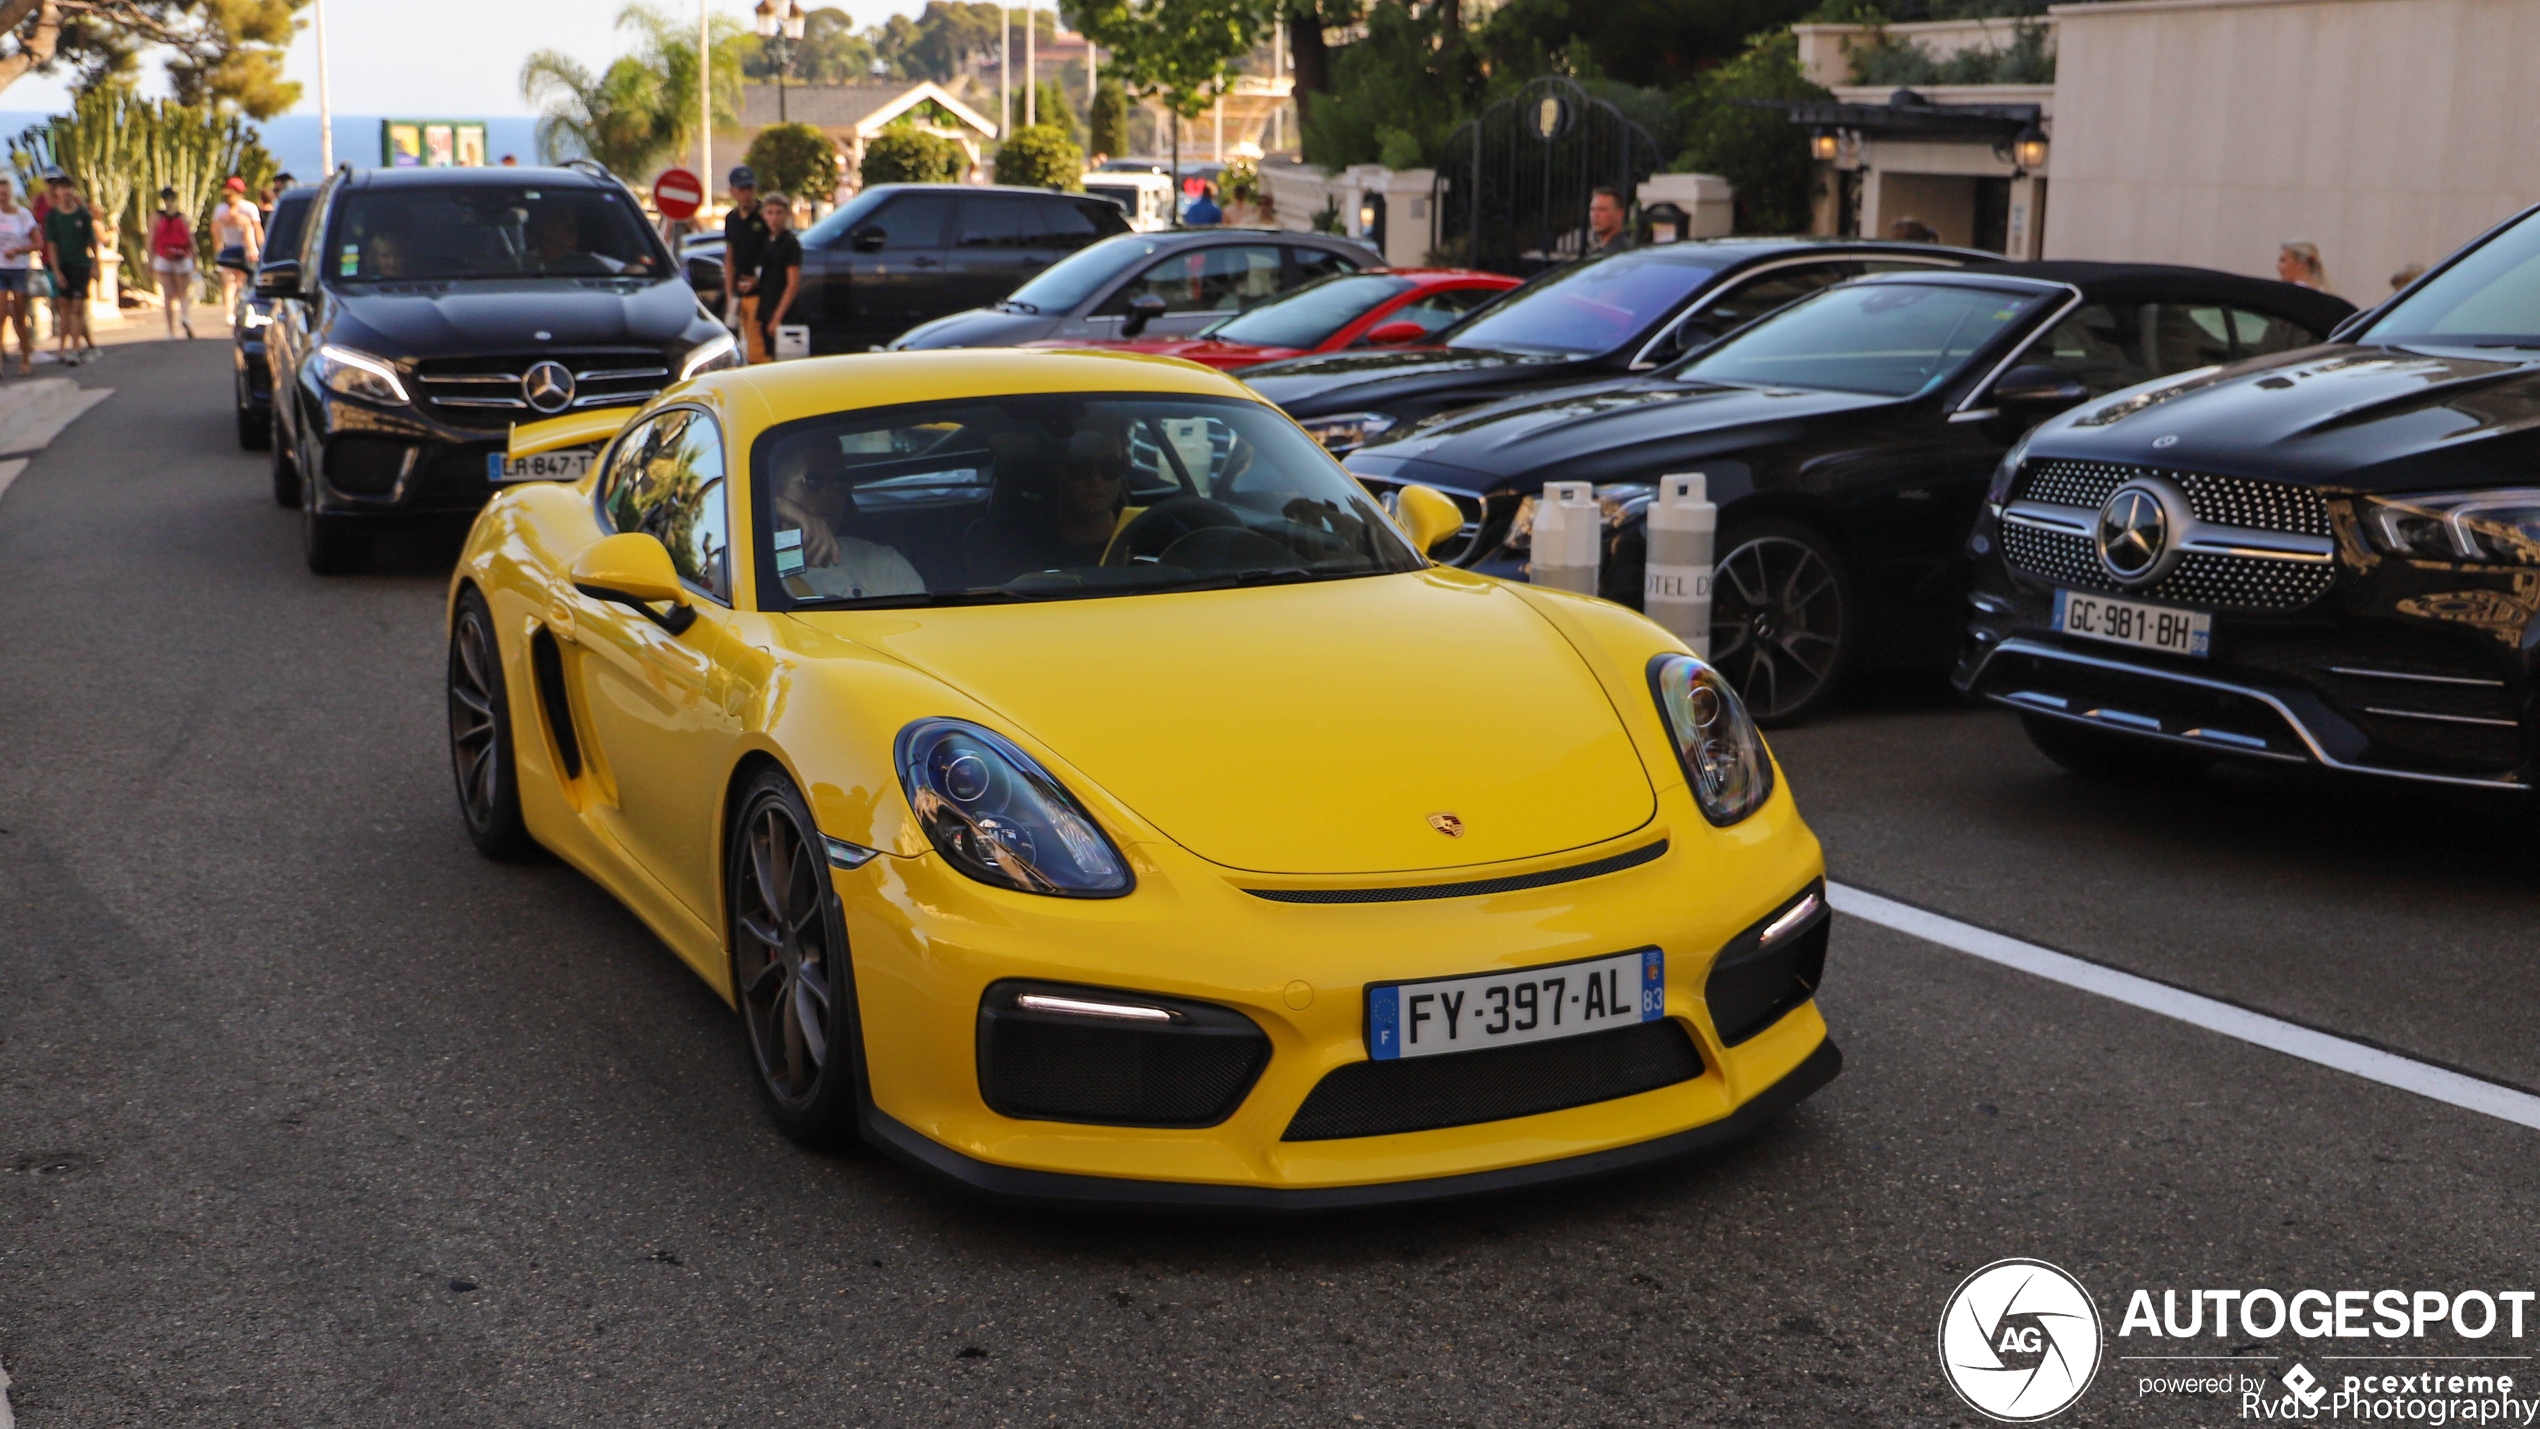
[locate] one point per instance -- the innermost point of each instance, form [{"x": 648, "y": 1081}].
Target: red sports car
[{"x": 1383, "y": 307}]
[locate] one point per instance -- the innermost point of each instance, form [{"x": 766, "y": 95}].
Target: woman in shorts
[
  {"x": 172, "y": 259},
  {"x": 20, "y": 240},
  {"x": 235, "y": 225}
]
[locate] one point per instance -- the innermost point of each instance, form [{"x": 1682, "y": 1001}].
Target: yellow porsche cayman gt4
[{"x": 1083, "y": 790}]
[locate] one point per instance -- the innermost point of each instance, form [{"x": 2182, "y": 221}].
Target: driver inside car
[
  {"x": 1066, "y": 505},
  {"x": 814, "y": 499}
]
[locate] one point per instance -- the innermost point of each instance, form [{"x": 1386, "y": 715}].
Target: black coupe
[{"x": 1847, "y": 440}]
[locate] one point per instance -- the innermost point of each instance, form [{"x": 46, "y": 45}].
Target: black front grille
[
  {"x": 2070, "y": 558},
  {"x": 1754, "y": 983},
  {"x": 1469, "y": 888},
  {"x": 1461, "y": 1088},
  {"x": 2141, "y": 701},
  {"x": 486, "y": 392},
  {"x": 1191, "y": 1070}
]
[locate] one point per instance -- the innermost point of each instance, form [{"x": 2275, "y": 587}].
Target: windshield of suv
[
  {"x": 1057, "y": 496},
  {"x": 2491, "y": 298},
  {"x": 1885, "y": 339},
  {"x": 527, "y": 230},
  {"x": 1074, "y": 278},
  {"x": 1584, "y": 308},
  {"x": 1311, "y": 313}
]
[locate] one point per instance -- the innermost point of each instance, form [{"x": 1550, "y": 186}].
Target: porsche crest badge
[{"x": 1447, "y": 824}]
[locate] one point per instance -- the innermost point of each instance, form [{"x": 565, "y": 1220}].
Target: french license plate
[
  {"x": 2126, "y": 622},
  {"x": 570, "y": 464},
  {"x": 1466, "y": 1014}
]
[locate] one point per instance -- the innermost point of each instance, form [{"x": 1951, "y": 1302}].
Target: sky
[{"x": 446, "y": 58}]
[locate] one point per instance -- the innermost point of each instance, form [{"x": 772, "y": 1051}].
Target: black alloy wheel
[
  {"x": 286, "y": 472},
  {"x": 1781, "y": 626},
  {"x": 481, "y": 748},
  {"x": 791, "y": 977},
  {"x": 2109, "y": 758}
]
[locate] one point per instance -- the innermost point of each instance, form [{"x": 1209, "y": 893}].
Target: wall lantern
[
  {"x": 1823, "y": 145},
  {"x": 2030, "y": 148}
]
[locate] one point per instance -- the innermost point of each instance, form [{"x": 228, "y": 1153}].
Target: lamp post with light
[{"x": 780, "y": 24}]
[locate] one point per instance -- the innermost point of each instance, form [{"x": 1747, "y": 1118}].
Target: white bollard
[
  {"x": 1569, "y": 538},
  {"x": 1675, "y": 587}
]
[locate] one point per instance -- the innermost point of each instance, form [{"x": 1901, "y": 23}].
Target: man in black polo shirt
[{"x": 744, "y": 247}]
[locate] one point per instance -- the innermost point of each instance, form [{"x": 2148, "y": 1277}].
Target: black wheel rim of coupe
[{"x": 1776, "y": 623}]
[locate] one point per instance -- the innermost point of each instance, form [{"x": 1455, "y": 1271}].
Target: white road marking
[
  {"x": 7, "y": 1419},
  {"x": 33, "y": 411},
  {"x": 8, "y": 473},
  {"x": 2355, "y": 1058}
]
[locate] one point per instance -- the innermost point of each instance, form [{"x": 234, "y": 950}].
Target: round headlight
[
  {"x": 996, "y": 815},
  {"x": 1717, "y": 744}
]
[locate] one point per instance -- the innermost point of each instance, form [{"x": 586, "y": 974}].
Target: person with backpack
[{"x": 172, "y": 259}]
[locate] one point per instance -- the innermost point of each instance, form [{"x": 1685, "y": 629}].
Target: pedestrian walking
[
  {"x": 780, "y": 268},
  {"x": 172, "y": 260},
  {"x": 1607, "y": 232},
  {"x": 2299, "y": 263},
  {"x": 70, "y": 255},
  {"x": 236, "y": 227},
  {"x": 1204, "y": 212},
  {"x": 19, "y": 240},
  {"x": 744, "y": 244}
]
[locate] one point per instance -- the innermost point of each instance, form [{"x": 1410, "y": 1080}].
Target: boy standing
[
  {"x": 70, "y": 253},
  {"x": 780, "y": 269}
]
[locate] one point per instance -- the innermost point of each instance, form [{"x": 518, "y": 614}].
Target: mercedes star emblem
[
  {"x": 548, "y": 386},
  {"x": 2139, "y": 528}
]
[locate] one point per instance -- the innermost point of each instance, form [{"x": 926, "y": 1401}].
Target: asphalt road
[{"x": 309, "y": 1116}]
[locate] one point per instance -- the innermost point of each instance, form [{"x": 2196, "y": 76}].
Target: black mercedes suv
[
  {"x": 2328, "y": 557},
  {"x": 428, "y": 310}
]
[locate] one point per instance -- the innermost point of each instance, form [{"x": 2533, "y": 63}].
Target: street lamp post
[{"x": 780, "y": 24}]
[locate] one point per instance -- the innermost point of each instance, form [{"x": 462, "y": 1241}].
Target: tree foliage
[
  {"x": 1107, "y": 128},
  {"x": 219, "y": 53},
  {"x": 1041, "y": 157},
  {"x": 906, "y": 154},
  {"x": 1759, "y": 151},
  {"x": 830, "y": 52},
  {"x": 794, "y": 159},
  {"x": 642, "y": 109},
  {"x": 1179, "y": 52},
  {"x": 1050, "y": 106},
  {"x": 124, "y": 149}
]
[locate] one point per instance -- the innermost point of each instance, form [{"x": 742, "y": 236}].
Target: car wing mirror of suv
[
  {"x": 2038, "y": 392},
  {"x": 278, "y": 279},
  {"x": 1143, "y": 309}
]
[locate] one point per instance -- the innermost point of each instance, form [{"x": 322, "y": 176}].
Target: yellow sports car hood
[{"x": 1309, "y": 728}]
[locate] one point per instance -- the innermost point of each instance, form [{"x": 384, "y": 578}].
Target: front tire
[
  {"x": 1782, "y": 623},
  {"x": 792, "y": 980},
  {"x": 481, "y": 749},
  {"x": 2108, "y": 758}
]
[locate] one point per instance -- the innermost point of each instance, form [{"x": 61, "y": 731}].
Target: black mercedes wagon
[{"x": 2325, "y": 558}]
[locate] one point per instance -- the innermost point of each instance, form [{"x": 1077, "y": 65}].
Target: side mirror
[
  {"x": 1397, "y": 333},
  {"x": 233, "y": 258},
  {"x": 633, "y": 568},
  {"x": 1143, "y": 309},
  {"x": 1427, "y": 516},
  {"x": 2036, "y": 390},
  {"x": 278, "y": 279},
  {"x": 868, "y": 240}
]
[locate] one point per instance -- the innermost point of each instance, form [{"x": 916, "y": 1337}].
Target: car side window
[
  {"x": 2180, "y": 336},
  {"x": 1057, "y": 223},
  {"x": 2106, "y": 346},
  {"x": 1765, "y": 292},
  {"x": 2257, "y": 334},
  {"x": 666, "y": 478},
  {"x": 1433, "y": 311},
  {"x": 992, "y": 221},
  {"x": 913, "y": 221},
  {"x": 1313, "y": 263},
  {"x": 1229, "y": 278}
]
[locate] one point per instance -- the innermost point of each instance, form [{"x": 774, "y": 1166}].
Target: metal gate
[{"x": 1512, "y": 189}]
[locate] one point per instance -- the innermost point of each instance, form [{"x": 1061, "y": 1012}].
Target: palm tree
[{"x": 643, "y": 107}]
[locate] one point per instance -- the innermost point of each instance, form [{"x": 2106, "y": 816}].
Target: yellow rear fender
[{"x": 581, "y": 429}]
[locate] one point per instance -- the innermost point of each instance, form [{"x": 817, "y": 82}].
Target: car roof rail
[{"x": 593, "y": 167}]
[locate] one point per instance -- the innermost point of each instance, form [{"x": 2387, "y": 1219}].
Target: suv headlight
[
  {"x": 358, "y": 374},
  {"x": 712, "y": 355},
  {"x": 1348, "y": 431},
  {"x": 2496, "y": 528},
  {"x": 1723, "y": 753},
  {"x": 996, "y": 815}
]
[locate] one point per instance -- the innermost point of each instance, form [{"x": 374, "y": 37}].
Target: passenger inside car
[
  {"x": 1056, "y": 505},
  {"x": 815, "y": 503}
]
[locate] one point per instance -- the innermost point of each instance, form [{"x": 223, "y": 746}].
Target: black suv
[
  {"x": 2328, "y": 557},
  {"x": 428, "y": 310},
  {"x": 251, "y": 377}
]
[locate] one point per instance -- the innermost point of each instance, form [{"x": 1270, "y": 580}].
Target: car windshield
[
  {"x": 1054, "y": 497},
  {"x": 1886, "y": 339},
  {"x": 1071, "y": 280},
  {"x": 1585, "y": 308},
  {"x": 2491, "y": 298},
  {"x": 490, "y": 231},
  {"x": 1311, "y": 313}
]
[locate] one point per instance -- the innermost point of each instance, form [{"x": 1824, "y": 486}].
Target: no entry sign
[{"x": 677, "y": 193}]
